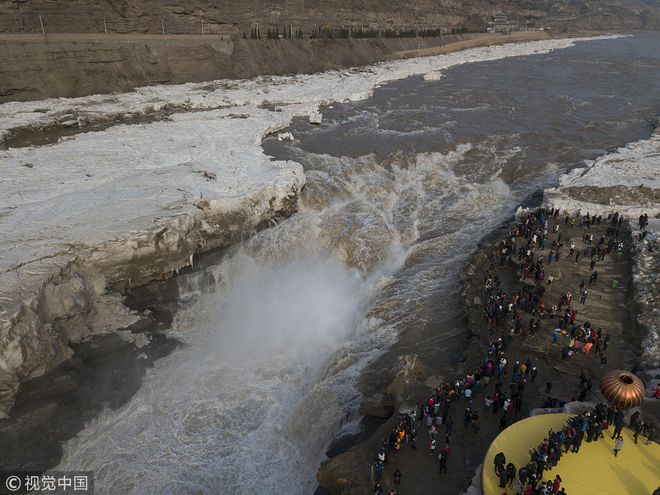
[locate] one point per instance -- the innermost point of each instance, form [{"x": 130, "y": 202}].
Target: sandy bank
[{"x": 476, "y": 41}]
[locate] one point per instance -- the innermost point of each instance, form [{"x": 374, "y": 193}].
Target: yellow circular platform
[{"x": 592, "y": 471}]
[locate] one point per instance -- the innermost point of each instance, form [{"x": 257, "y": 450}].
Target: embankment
[{"x": 36, "y": 67}]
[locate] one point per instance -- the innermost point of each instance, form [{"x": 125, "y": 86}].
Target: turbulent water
[{"x": 399, "y": 189}]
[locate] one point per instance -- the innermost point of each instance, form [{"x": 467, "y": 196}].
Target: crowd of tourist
[
  {"x": 585, "y": 427},
  {"x": 525, "y": 247}
]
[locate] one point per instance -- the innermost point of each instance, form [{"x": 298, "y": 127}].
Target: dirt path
[{"x": 476, "y": 41}]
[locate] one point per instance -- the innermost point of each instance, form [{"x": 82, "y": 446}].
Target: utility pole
[
  {"x": 162, "y": 25},
  {"x": 105, "y": 26},
  {"x": 202, "y": 27},
  {"x": 43, "y": 31}
]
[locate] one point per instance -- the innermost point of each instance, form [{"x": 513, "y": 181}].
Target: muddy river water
[{"x": 399, "y": 190}]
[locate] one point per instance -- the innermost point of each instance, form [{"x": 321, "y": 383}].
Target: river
[{"x": 399, "y": 189}]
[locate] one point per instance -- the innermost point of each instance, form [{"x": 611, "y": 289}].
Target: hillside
[
  {"x": 237, "y": 17},
  {"x": 101, "y": 46}
]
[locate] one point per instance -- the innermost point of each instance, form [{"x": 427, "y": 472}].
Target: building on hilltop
[{"x": 501, "y": 24}]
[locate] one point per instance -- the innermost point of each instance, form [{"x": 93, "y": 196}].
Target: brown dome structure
[{"x": 622, "y": 389}]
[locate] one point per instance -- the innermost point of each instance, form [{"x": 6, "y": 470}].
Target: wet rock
[
  {"x": 540, "y": 411},
  {"x": 475, "y": 488},
  {"x": 38, "y": 417},
  {"x": 378, "y": 405},
  {"x": 345, "y": 473},
  {"x": 58, "y": 382},
  {"x": 337, "y": 475},
  {"x": 578, "y": 407},
  {"x": 51, "y": 409},
  {"x": 209, "y": 175},
  {"x": 406, "y": 408},
  {"x": 407, "y": 372},
  {"x": 433, "y": 382}
]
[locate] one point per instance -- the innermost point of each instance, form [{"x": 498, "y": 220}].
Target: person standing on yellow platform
[{"x": 618, "y": 445}]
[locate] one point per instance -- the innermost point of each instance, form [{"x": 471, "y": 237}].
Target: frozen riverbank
[
  {"x": 97, "y": 212},
  {"x": 627, "y": 181},
  {"x": 84, "y": 219}
]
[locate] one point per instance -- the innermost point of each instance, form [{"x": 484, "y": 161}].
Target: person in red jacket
[{"x": 556, "y": 485}]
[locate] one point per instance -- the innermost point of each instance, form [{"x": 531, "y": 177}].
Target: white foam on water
[
  {"x": 228, "y": 412},
  {"x": 268, "y": 373}
]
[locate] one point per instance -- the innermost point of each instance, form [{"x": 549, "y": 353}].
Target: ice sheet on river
[
  {"x": 627, "y": 181},
  {"x": 120, "y": 207}
]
